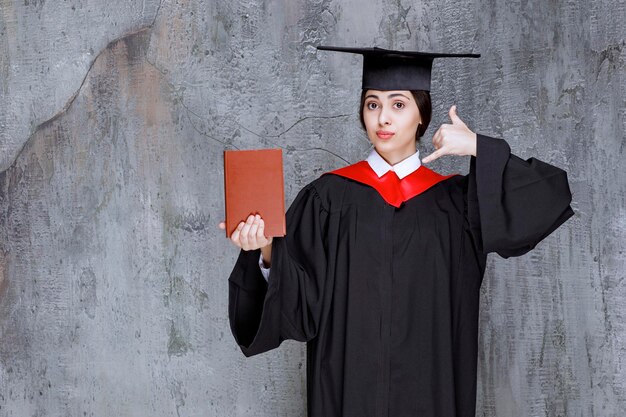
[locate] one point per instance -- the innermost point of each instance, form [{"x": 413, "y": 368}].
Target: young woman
[{"x": 381, "y": 267}]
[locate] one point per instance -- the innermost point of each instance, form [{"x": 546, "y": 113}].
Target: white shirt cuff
[{"x": 264, "y": 271}]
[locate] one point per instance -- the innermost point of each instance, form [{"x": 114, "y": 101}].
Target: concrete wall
[{"x": 113, "y": 119}]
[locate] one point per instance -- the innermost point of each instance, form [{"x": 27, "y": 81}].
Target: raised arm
[
  {"x": 263, "y": 314},
  {"x": 512, "y": 204}
]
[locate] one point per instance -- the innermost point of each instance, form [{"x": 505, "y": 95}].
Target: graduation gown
[{"x": 387, "y": 297}]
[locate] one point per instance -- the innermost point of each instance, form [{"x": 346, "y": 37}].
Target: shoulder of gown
[{"x": 330, "y": 189}]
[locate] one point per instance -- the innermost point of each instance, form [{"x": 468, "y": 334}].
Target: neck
[{"x": 396, "y": 157}]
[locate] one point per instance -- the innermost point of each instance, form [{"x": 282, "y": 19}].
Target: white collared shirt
[
  {"x": 381, "y": 167},
  {"x": 402, "y": 169}
]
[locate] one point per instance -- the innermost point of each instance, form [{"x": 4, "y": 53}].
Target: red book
[{"x": 253, "y": 184}]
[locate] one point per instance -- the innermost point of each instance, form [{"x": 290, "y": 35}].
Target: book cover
[{"x": 254, "y": 184}]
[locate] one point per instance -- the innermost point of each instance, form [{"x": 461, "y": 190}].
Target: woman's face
[{"x": 391, "y": 120}]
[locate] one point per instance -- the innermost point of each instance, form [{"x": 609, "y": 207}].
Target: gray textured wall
[{"x": 113, "y": 119}]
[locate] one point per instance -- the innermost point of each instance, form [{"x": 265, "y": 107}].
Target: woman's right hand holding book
[{"x": 249, "y": 235}]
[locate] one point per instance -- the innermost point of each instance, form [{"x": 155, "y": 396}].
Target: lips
[{"x": 384, "y": 134}]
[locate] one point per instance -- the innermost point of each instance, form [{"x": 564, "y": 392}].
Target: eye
[
  {"x": 398, "y": 105},
  {"x": 371, "y": 105}
]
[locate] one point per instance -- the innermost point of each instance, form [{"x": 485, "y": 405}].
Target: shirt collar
[{"x": 402, "y": 168}]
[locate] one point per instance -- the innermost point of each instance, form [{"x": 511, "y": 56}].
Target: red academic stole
[{"x": 392, "y": 189}]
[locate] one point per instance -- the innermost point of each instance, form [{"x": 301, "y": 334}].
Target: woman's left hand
[{"x": 453, "y": 139}]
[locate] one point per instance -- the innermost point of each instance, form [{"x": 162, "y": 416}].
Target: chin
[{"x": 392, "y": 147}]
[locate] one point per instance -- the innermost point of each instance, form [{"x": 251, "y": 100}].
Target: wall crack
[{"x": 73, "y": 97}]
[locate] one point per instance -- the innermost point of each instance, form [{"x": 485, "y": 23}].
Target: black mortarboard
[{"x": 384, "y": 69}]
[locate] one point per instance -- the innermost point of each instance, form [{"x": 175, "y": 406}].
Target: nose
[{"x": 383, "y": 116}]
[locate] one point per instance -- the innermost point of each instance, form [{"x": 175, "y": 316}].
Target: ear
[{"x": 417, "y": 132}]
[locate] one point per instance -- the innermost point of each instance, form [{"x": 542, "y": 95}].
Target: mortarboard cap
[{"x": 385, "y": 69}]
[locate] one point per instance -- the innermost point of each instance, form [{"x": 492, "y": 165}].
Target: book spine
[{"x": 226, "y": 217}]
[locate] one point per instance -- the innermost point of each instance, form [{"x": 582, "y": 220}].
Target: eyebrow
[
  {"x": 391, "y": 96},
  {"x": 398, "y": 94}
]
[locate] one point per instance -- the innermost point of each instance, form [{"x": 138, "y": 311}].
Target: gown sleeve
[
  {"x": 513, "y": 203},
  {"x": 264, "y": 313}
]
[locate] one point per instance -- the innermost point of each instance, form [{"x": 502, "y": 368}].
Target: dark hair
[{"x": 422, "y": 98}]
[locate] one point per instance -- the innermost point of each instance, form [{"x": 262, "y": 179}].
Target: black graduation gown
[{"x": 387, "y": 298}]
